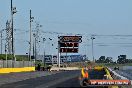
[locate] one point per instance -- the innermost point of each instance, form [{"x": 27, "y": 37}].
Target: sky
[{"x": 85, "y": 17}]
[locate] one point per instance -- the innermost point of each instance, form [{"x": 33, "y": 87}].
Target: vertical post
[
  {"x": 66, "y": 51},
  {"x": 92, "y": 48},
  {"x": 34, "y": 46},
  {"x": 59, "y": 53},
  {"x": 13, "y": 11},
  {"x": 44, "y": 51},
  {"x": 35, "y": 49},
  {"x": 1, "y": 42},
  {"x": 44, "y": 58},
  {"x": 6, "y": 56},
  {"x": 52, "y": 58},
  {"x": 92, "y": 51},
  {"x": 50, "y": 50},
  {"x": 12, "y": 30},
  {"x": 87, "y": 51},
  {"x": 30, "y": 37}
]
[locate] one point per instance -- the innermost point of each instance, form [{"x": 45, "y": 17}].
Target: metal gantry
[
  {"x": 36, "y": 41},
  {"x": 8, "y": 43},
  {"x": 1, "y": 37}
]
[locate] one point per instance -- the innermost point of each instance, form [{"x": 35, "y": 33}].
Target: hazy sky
[{"x": 102, "y": 17}]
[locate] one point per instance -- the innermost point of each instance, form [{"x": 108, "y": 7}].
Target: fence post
[
  {"x": 23, "y": 63},
  {"x": 3, "y": 64}
]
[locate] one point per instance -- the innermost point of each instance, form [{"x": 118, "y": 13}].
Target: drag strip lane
[{"x": 43, "y": 81}]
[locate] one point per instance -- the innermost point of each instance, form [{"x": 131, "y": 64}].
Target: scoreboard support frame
[{"x": 62, "y": 39}]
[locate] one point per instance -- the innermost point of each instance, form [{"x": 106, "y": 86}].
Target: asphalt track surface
[
  {"x": 65, "y": 79},
  {"x": 125, "y": 73}
]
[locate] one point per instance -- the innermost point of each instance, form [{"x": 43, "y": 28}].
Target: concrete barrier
[
  {"x": 110, "y": 77},
  {"x": 67, "y": 68},
  {"x": 117, "y": 76},
  {"x": 9, "y": 70}
]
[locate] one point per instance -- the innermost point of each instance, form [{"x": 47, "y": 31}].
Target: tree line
[{"x": 121, "y": 60}]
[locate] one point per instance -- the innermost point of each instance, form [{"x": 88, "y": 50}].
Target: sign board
[
  {"x": 109, "y": 82},
  {"x": 69, "y": 50},
  {"x": 69, "y": 44},
  {"x": 64, "y": 39}
]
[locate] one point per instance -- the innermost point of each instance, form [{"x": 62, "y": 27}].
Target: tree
[
  {"x": 108, "y": 60},
  {"x": 101, "y": 60},
  {"x": 122, "y": 59}
]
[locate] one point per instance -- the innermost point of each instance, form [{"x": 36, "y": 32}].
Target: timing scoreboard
[
  {"x": 77, "y": 39},
  {"x": 69, "y": 44}
]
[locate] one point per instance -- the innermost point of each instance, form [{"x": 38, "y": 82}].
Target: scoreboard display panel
[
  {"x": 69, "y": 44},
  {"x": 69, "y": 50},
  {"x": 64, "y": 39}
]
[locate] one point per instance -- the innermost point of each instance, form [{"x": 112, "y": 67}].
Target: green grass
[
  {"x": 114, "y": 64},
  {"x": 10, "y": 57}
]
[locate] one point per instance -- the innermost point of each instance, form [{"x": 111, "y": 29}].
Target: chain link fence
[{"x": 16, "y": 64}]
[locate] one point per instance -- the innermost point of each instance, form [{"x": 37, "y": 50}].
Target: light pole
[
  {"x": 13, "y": 11},
  {"x": 87, "y": 49},
  {"x": 1, "y": 42},
  {"x": 66, "y": 50},
  {"x": 44, "y": 50},
  {"x": 27, "y": 55},
  {"x": 34, "y": 46},
  {"x": 30, "y": 49},
  {"x": 92, "y": 48},
  {"x": 52, "y": 55},
  {"x": 50, "y": 50},
  {"x": 59, "y": 52},
  {"x": 6, "y": 56}
]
